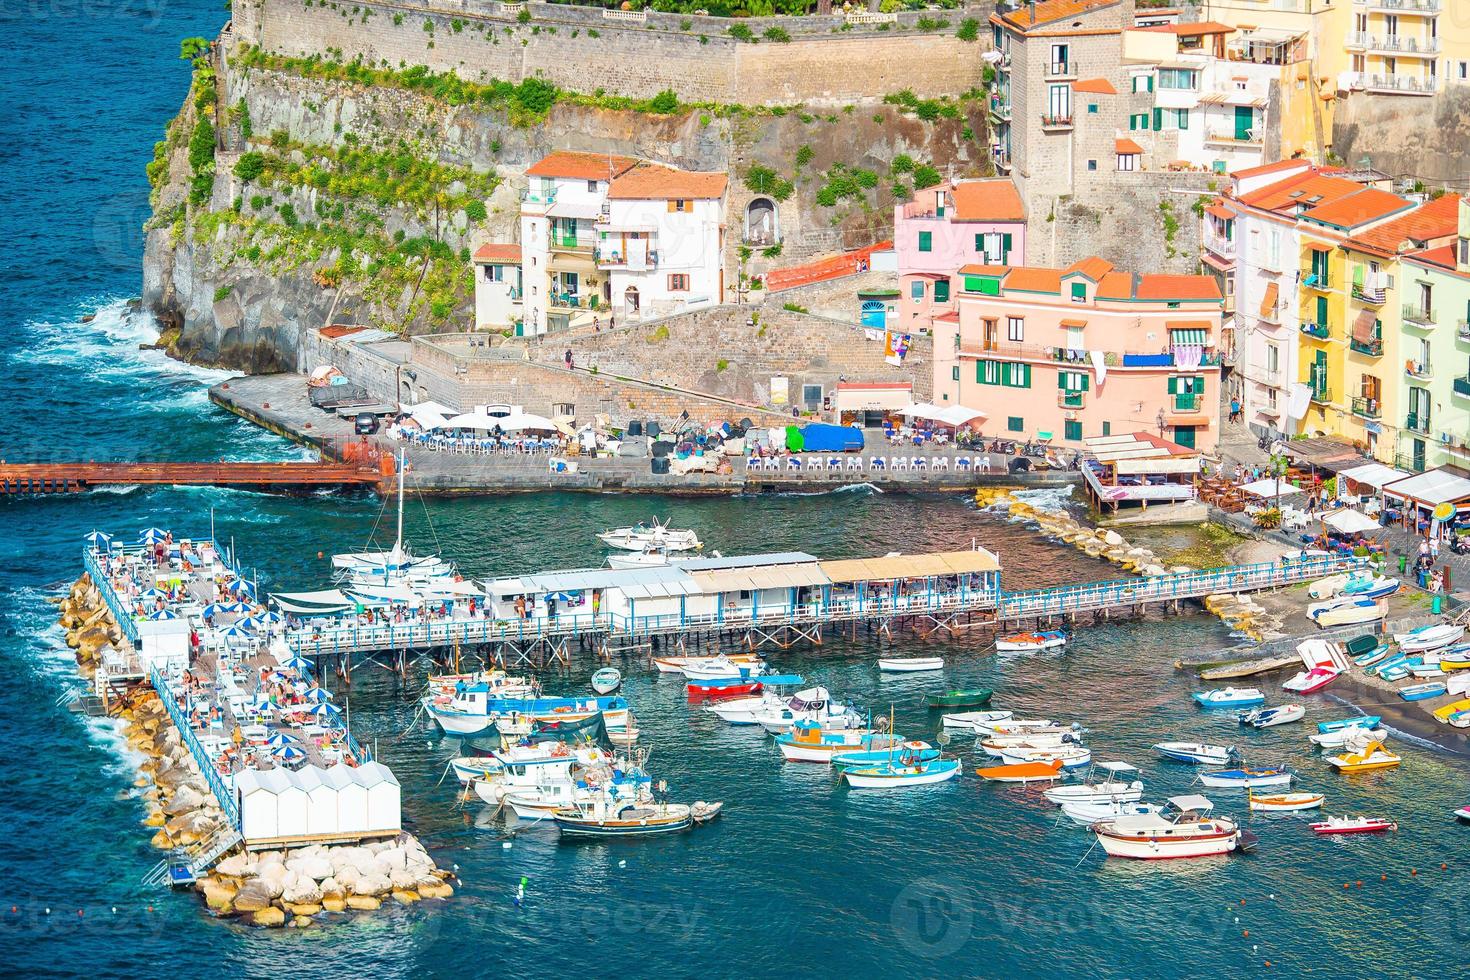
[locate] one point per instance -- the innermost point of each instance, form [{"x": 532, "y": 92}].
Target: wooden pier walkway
[
  {"x": 46, "y": 478},
  {"x": 932, "y": 610}
]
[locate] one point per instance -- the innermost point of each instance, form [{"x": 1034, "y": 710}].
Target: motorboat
[
  {"x": 1350, "y": 612},
  {"x": 1183, "y": 829},
  {"x": 715, "y": 668},
  {"x": 1245, "y": 778},
  {"x": 496, "y": 681},
  {"x": 974, "y": 720},
  {"x": 1353, "y": 825},
  {"x": 1087, "y": 814},
  {"x": 603, "y": 818},
  {"x": 975, "y": 698},
  {"x": 1019, "y": 726},
  {"x": 1423, "y": 692},
  {"x": 1071, "y": 757},
  {"x": 676, "y": 665},
  {"x": 1030, "y": 772},
  {"x": 1427, "y": 638},
  {"x": 1371, "y": 586},
  {"x": 1229, "y": 697},
  {"x": 1109, "y": 782},
  {"x": 651, "y": 556},
  {"x": 1195, "y": 752},
  {"x": 474, "y": 710},
  {"x": 814, "y": 705},
  {"x": 905, "y": 771},
  {"x": 725, "y": 689},
  {"x": 607, "y": 680},
  {"x": 909, "y": 665},
  {"x": 860, "y": 758},
  {"x": 522, "y": 772},
  {"x": 1039, "y": 640},
  {"x": 1271, "y": 717},
  {"x": 996, "y": 745},
  {"x": 1308, "y": 681},
  {"x": 657, "y": 534},
  {"x": 810, "y": 742},
  {"x": 743, "y": 711},
  {"x": 1358, "y": 721},
  {"x": 1340, "y": 737},
  {"x": 1285, "y": 802},
  {"x": 469, "y": 768}
]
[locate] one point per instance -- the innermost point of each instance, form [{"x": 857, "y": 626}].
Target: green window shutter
[
  {"x": 1183, "y": 118},
  {"x": 1158, "y": 116},
  {"x": 973, "y": 283},
  {"x": 989, "y": 286},
  {"x": 1199, "y": 384},
  {"x": 1005, "y": 373},
  {"x": 1086, "y": 380},
  {"x": 1005, "y": 250},
  {"x": 1015, "y": 423},
  {"x": 1322, "y": 309},
  {"x": 1079, "y": 290},
  {"x": 979, "y": 243},
  {"x": 1150, "y": 83},
  {"x": 1132, "y": 122},
  {"x": 1173, "y": 386},
  {"x": 1072, "y": 430},
  {"x": 955, "y": 373},
  {"x": 926, "y": 241},
  {"x": 1107, "y": 428},
  {"x": 941, "y": 290},
  {"x": 1062, "y": 379}
]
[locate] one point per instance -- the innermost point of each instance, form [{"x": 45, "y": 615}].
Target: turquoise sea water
[{"x": 800, "y": 875}]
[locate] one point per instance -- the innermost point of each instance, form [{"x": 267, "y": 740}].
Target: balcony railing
[
  {"x": 1409, "y": 462},
  {"x": 1375, "y": 295},
  {"x": 1368, "y": 408},
  {"x": 1007, "y": 351},
  {"x": 1429, "y": 7},
  {"x": 1373, "y": 346},
  {"x": 1417, "y": 422},
  {"x": 1320, "y": 280},
  {"x": 1187, "y": 402},
  {"x": 1462, "y": 386},
  {"x": 1049, "y": 121},
  {"x": 573, "y": 243},
  {"x": 1321, "y": 394},
  {"x": 1061, "y": 69},
  {"x": 1462, "y": 331},
  {"x": 1419, "y": 315},
  {"x": 1071, "y": 399},
  {"x": 1230, "y": 137},
  {"x": 1317, "y": 330},
  {"x": 612, "y": 259},
  {"x": 1397, "y": 43},
  {"x": 1220, "y": 245},
  {"x": 1419, "y": 369},
  {"x": 1399, "y": 84},
  {"x": 571, "y": 301}
]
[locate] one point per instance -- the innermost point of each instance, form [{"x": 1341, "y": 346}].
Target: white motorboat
[
  {"x": 1271, "y": 717},
  {"x": 469, "y": 768},
  {"x": 1350, "y": 611},
  {"x": 640, "y": 537},
  {"x": 996, "y": 745},
  {"x": 1326, "y": 588},
  {"x": 1284, "y": 802},
  {"x": 677, "y": 665},
  {"x": 720, "y": 668},
  {"x": 1017, "y": 726},
  {"x": 1088, "y": 814},
  {"x": 974, "y": 720},
  {"x": 1340, "y": 737},
  {"x": 1427, "y": 638},
  {"x": 519, "y": 772},
  {"x": 1196, "y": 752},
  {"x": 1183, "y": 829},
  {"x": 909, "y": 665},
  {"x": 1109, "y": 782},
  {"x": 1039, "y": 640},
  {"x": 815, "y": 704},
  {"x": 1071, "y": 757},
  {"x": 1245, "y": 778},
  {"x": 743, "y": 711}
]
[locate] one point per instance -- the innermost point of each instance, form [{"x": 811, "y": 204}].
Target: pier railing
[
  {"x": 206, "y": 765},
  {"x": 109, "y": 596}
]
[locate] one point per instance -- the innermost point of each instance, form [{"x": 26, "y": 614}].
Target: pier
[{"x": 48, "y": 478}]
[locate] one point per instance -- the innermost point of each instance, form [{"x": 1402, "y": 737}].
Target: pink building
[
  {"x": 1085, "y": 351},
  {"x": 948, "y": 226}
]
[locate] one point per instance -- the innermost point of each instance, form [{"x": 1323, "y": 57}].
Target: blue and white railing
[{"x": 222, "y": 793}]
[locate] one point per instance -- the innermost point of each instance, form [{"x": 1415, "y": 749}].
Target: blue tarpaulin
[{"x": 821, "y": 438}]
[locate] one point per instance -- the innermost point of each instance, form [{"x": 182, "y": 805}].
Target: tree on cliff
[{"x": 193, "y": 50}]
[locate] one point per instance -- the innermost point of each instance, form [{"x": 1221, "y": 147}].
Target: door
[
  {"x": 992, "y": 334},
  {"x": 1319, "y": 373},
  {"x": 1245, "y": 118},
  {"x": 874, "y": 315},
  {"x": 1418, "y": 455}
]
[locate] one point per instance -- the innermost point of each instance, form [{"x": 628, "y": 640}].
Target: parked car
[{"x": 367, "y": 424}]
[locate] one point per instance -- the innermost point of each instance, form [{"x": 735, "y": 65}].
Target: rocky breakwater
[{"x": 268, "y": 888}]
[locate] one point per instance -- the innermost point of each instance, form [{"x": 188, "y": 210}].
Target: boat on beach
[
  {"x": 1229, "y": 697},
  {"x": 1427, "y": 638},
  {"x": 1195, "y": 752},
  {"x": 1353, "y": 825},
  {"x": 1310, "y": 681},
  {"x": 1284, "y": 802},
  {"x": 1039, "y": 640},
  {"x": 1446, "y": 712},
  {"x": 1183, "y": 829},
  {"x": 909, "y": 665},
  {"x": 1372, "y": 656},
  {"x": 1326, "y": 588},
  {"x": 1423, "y": 692},
  {"x": 1245, "y": 778},
  {"x": 1349, "y": 612},
  {"x": 976, "y": 698},
  {"x": 1456, "y": 657},
  {"x": 1271, "y": 717}
]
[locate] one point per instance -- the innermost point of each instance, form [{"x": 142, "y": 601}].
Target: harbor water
[{"x": 799, "y": 874}]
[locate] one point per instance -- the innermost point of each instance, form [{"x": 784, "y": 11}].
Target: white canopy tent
[
  {"x": 518, "y": 421},
  {"x": 953, "y": 415},
  {"x": 1375, "y": 475},
  {"x": 430, "y": 415},
  {"x": 1350, "y": 522},
  {"x": 473, "y": 420},
  {"x": 1270, "y": 488},
  {"x": 1432, "y": 487}
]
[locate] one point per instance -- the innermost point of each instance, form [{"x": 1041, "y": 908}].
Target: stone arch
[
  {"x": 405, "y": 393},
  {"x": 762, "y": 222},
  {"x": 631, "y": 303}
]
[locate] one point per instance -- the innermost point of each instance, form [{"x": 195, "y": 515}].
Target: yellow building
[{"x": 1404, "y": 47}]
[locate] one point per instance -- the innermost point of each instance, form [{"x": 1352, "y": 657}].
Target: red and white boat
[
  {"x": 1353, "y": 825},
  {"x": 716, "y": 691},
  {"x": 1183, "y": 829},
  {"x": 1323, "y": 663}
]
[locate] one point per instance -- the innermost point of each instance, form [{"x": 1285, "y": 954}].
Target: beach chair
[
  {"x": 855, "y": 464},
  {"x": 793, "y": 464},
  {"x": 834, "y": 463},
  {"x": 920, "y": 464},
  {"x": 900, "y": 464},
  {"x": 983, "y": 464}
]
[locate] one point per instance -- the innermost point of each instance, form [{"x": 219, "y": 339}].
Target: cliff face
[{"x": 287, "y": 196}]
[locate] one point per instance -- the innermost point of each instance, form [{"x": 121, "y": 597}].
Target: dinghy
[
  {"x": 961, "y": 699},
  {"x": 1245, "y": 778},
  {"x": 1030, "y": 772},
  {"x": 1372, "y": 657},
  {"x": 1195, "y": 752},
  {"x": 602, "y": 819},
  {"x": 1069, "y": 757},
  {"x": 607, "y": 680},
  {"x": 1350, "y": 612},
  {"x": 1285, "y": 802},
  {"x": 1311, "y": 680},
  {"x": 1454, "y": 707},
  {"x": 1423, "y": 692},
  {"x": 1040, "y": 640},
  {"x": 1341, "y": 737},
  {"x": 1326, "y": 588},
  {"x": 1427, "y": 638},
  {"x": 1229, "y": 697},
  {"x": 909, "y": 665},
  {"x": 862, "y": 758},
  {"x": 974, "y": 720},
  {"x": 1109, "y": 782},
  {"x": 1456, "y": 657},
  {"x": 1271, "y": 717},
  {"x": 1360, "y": 721},
  {"x": 1353, "y": 825}
]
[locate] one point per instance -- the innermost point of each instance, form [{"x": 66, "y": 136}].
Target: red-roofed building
[
  {"x": 1063, "y": 355},
  {"x": 948, "y": 226},
  {"x": 1435, "y": 331},
  {"x": 498, "y": 284}
]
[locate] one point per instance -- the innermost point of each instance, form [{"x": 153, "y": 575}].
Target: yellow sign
[{"x": 1444, "y": 511}]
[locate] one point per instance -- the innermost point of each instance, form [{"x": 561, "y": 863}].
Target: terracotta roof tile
[
  {"x": 1192, "y": 30},
  {"x": 1269, "y": 168},
  {"x": 1220, "y": 211},
  {"x": 579, "y": 166},
  {"x": 1351, "y": 210},
  {"x": 984, "y": 270},
  {"x": 1034, "y": 280},
  {"x": 505, "y": 254},
  {"x": 988, "y": 200},
  {"x": 1125, "y": 145},
  {"x": 1116, "y": 285},
  {"x": 1092, "y": 267},
  {"x": 1443, "y": 257},
  {"x": 1304, "y": 190},
  {"x": 1159, "y": 286},
  {"x": 1094, "y": 86},
  {"x": 655, "y": 182},
  {"x": 1050, "y": 10},
  {"x": 1436, "y": 219}
]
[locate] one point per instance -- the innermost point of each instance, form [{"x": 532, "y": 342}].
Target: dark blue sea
[{"x": 800, "y": 877}]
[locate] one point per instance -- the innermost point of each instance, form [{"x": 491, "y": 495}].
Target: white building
[
  {"x": 608, "y": 236},
  {"x": 498, "y": 287}
]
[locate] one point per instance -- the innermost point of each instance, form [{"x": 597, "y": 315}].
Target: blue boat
[
  {"x": 1392, "y": 663},
  {"x": 1372, "y": 656},
  {"x": 1371, "y": 587},
  {"x": 1361, "y": 721},
  {"x": 1422, "y": 692},
  {"x": 914, "y": 751},
  {"x": 1229, "y": 697}
]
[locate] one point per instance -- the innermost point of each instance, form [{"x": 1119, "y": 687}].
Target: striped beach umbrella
[
  {"x": 324, "y": 712},
  {"x": 298, "y": 664},
  {"x": 163, "y": 614},
  {"x": 288, "y": 753},
  {"x": 99, "y": 540},
  {"x": 152, "y": 535},
  {"x": 317, "y": 695},
  {"x": 232, "y": 632},
  {"x": 278, "y": 739}
]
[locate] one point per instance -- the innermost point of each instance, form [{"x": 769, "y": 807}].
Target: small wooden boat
[
  {"x": 1372, "y": 657},
  {"x": 1030, "y": 772},
  {"x": 1246, "y": 668},
  {"x": 976, "y": 698},
  {"x": 1423, "y": 692},
  {"x": 677, "y": 665},
  {"x": 1071, "y": 757},
  {"x": 1443, "y": 714},
  {"x": 1285, "y": 802},
  {"x": 702, "y": 812},
  {"x": 1353, "y": 825},
  {"x": 1312, "y": 680},
  {"x": 1456, "y": 657},
  {"x": 1050, "y": 738},
  {"x": 905, "y": 771},
  {"x": 1271, "y": 717},
  {"x": 1360, "y": 721},
  {"x": 1427, "y": 638},
  {"x": 602, "y": 819},
  {"x": 1195, "y": 752},
  {"x": 1088, "y": 814},
  {"x": 722, "y": 690},
  {"x": 1229, "y": 697},
  {"x": 975, "y": 721},
  {"x": 909, "y": 665},
  {"x": 1391, "y": 664},
  {"x": 862, "y": 758},
  {"x": 1039, "y": 640},
  {"x": 607, "y": 680},
  {"x": 472, "y": 767},
  {"x": 1245, "y": 778}
]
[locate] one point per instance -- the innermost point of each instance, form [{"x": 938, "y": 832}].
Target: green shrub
[
  {"x": 741, "y": 33},
  {"x": 221, "y": 292},
  {"x": 764, "y": 180},
  {"x": 288, "y": 215},
  {"x": 250, "y": 166},
  {"x": 926, "y": 176},
  {"x": 772, "y": 251},
  {"x": 804, "y": 154},
  {"x": 475, "y": 211},
  {"x": 969, "y": 30},
  {"x": 201, "y": 145},
  {"x": 777, "y": 34},
  {"x": 524, "y": 17},
  {"x": 794, "y": 308},
  {"x": 201, "y": 186},
  {"x": 664, "y": 103}
]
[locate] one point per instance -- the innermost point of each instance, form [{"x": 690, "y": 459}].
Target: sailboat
[{"x": 393, "y": 567}]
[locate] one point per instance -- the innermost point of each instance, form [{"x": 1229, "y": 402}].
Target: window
[
  {"x": 1176, "y": 78},
  {"x": 681, "y": 205},
  {"x": 1073, "y": 380},
  {"x": 678, "y": 282},
  {"x": 1107, "y": 428},
  {"x": 916, "y": 290},
  {"x": 1003, "y": 373},
  {"x": 1092, "y": 108},
  {"x": 1072, "y": 430},
  {"x": 1059, "y": 101},
  {"x": 1015, "y": 328},
  {"x": 1127, "y": 162},
  {"x": 1092, "y": 165},
  {"x": 926, "y": 241},
  {"x": 987, "y": 372},
  {"x": 1143, "y": 83},
  {"x": 1079, "y": 292},
  {"x": 1463, "y": 70},
  {"x": 1015, "y": 424},
  {"x": 494, "y": 273},
  {"x": 591, "y": 187},
  {"x": 564, "y": 408},
  {"x": 941, "y": 290},
  {"x": 954, "y": 373}
]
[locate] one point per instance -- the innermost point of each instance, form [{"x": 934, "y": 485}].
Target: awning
[
  {"x": 1190, "y": 332},
  {"x": 1268, "y": 302},
  {"x": 1324, "y": 452},
  {"x": 1320, "y": 247},
  {"x": 1363, "y": 325},
  {"x": 1189, "y": 420},
  {"x": 313, "y": 603},
  {"x": 1438, "y": 486},
  {"x": 910, "y": 566},
  {"x": 1074, "y": 323},
  {"x": 1350, "y": 522},
  {"x": 1375, "y": 475},
  {"x": 574, "y": 209},
  {"x": 1221, "y": 212},
  {"x": 757, "y": 578},
  {"x": 1270, "y": 488},
  {"x": 1219, "y": 265}
]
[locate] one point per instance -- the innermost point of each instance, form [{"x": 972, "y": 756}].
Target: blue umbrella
[
  {"x": 324, "y": 711},
  {"x": 163, "y": 614},
  {"x": 234, "y": 607},
  {"x": 232, "y": 632},
  {"x": 249, "y": 623},
  {"x": 150, "y": 594},
  {"x": 215, "y": 608},
  {"x": 242, "y": 587},
  {"x": 318, "y": 694},
  {"x": 298, "y": 664},
  {"x": 99, "y": 540},
  {"x": 277, "y": 740},
  {"x": 270, "y": 617},
  {"x": 152, "y": 535},
  {"x": 288, "y": 753}
]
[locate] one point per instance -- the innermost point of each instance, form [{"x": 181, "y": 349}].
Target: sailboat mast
[{"x": 398, "y": 542}]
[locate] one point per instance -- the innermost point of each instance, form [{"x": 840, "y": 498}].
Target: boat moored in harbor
[{"x": 1183, "y": 829}]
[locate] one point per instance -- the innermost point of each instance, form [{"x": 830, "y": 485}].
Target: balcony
[
  {"x": 1220, "y": 245},
  {"x": 1000, "y": 110},
  {"x": 1061, "y": 69},
  {"x": 1187, "y": 402},
  {"x": 571, "y": 301},
  {"x": 1427, "y": 8},
  {"x": 613, "y": 258},
  {"x": 1055, "y": 124},
  {"x": 1071, "y": 399},
  {"x": 1369, "y": 293},
  {"x": 1321, "y": 394},
  {"x": 1395, "y": 44},
  {"x": 1373, "y": 346},
  {"x": 1462, "y": 331},
  {"x": 1317, "y": 331},
  {"x": 1417, "y": 422},
  {"x": 1419, "y": 316},
  {"x": 1007, "y": 351},
  {"x": 1230, "y": 137},
  {"x": 1419, "y": 370},
  {"x": 1317, "y": 279},
  {"x": 1394, "y": 84},
  {"x": 576, "y": 244},
  {"x": 1409, "y": 462},
  {"x": 1462, "y": 386},
  {"x": 1367, "y": 408}
]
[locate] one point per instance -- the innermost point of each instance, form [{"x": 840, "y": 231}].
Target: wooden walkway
[{"x": 45, "y": 478}]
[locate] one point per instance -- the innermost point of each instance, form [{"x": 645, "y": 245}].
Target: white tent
[
  {"x": 1269, "y": 488},
  {"x": 473, "y": 420},
  {"x": 384, "y": 796},
  {"x": 958, "y": 415},
  {"x": 1375, "y": 475},
  {"x": 352, "y": 799},
  {"x": 517, "y": 421},
  {"x": 430, "y": 415},
  {"x": 1438, "y": 486},
  {"x": 291, "y": 805},
  {"x": 1350, "y": 522},
  {"x": 321, "y": 801},
  {"x": 921, "y": 410}
]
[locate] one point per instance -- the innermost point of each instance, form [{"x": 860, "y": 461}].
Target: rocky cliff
[{"x": 294, "y": 192}]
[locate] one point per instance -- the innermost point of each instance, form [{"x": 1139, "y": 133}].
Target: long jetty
[{"x": 49, "y": 478}]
